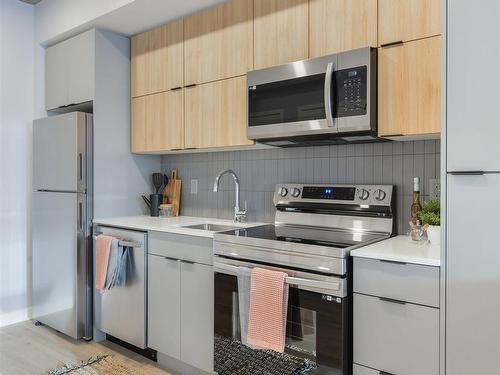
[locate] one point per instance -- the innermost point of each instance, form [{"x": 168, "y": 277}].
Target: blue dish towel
[{"x": 117, "y": 265}]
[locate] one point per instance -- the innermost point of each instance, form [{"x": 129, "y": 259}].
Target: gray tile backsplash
[{"x": 393, "y": 163}]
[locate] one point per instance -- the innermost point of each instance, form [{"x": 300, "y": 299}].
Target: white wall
[{"x": 16, "y": 114}]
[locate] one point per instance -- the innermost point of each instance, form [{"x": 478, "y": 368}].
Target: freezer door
[
  {"x": 473, "y": 275},
  {"x": 60, "y": 152},
  {"x": 60, "y": 262}
]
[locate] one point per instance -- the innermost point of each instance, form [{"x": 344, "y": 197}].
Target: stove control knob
[
  {"x": 295, "y": 192},
  {"x": 380, "y": 195},
  {"x": 363, "y": 194},
  {"x": 283, "y": 191}
]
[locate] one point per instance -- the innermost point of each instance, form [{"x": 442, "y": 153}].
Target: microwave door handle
[{"x": 328, "y": 95}]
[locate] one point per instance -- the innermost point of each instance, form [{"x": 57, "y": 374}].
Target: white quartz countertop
[
  {"x": 401, "y": 249},
  {"x": 169, "y": 224}
]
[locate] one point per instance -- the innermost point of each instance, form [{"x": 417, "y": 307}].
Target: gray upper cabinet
[
  {"x": 473, "y": 117},
  {"x": 70, "y": 71}
]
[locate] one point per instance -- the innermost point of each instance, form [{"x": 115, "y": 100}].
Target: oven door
[
  {"x": 295, "y": 99},
  {"x": 318, "y": 323}
]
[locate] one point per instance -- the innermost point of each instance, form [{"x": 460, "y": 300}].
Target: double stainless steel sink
[{"x": 211, "y": 227}]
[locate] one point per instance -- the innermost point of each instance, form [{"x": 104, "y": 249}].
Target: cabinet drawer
[
  {"x": 362, "y": 370},
  {"x": 401, "y": 281},
  {"x": 397, "y": 338},
  {"x": 178, "y": 246}
]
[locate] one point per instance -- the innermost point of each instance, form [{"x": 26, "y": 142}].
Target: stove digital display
[{"x": 327, "y": 192}]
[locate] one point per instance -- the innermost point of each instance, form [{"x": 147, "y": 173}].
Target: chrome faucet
[{"x": 239, "y": 214}]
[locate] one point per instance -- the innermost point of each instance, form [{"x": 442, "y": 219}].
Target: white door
[
  {"x": 473, "y": 275},
  {"x": 473, "y": 82}
]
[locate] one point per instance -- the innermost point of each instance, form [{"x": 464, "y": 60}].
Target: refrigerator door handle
[
  {"x": 80, "y": 215},
  {"x": 80, "y": 166}
]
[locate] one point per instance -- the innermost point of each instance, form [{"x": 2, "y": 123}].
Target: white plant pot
[{"x": 434, "y": 235}]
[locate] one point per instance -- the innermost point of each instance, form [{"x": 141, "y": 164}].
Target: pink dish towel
[
  {"x": 268, "y": 310},
  {"x": 102, "y": 250}
]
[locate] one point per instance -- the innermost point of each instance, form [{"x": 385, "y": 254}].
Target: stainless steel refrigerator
[
  {"x": 473, "y": 187},
  {"x": 61, "y": 223}
]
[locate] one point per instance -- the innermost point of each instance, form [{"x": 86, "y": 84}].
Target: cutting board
[{"x": 172, "y": 192}]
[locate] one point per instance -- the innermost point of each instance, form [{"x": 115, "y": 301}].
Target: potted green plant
[{"x": 430, "y": 216}]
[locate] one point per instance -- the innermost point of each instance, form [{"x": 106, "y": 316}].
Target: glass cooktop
[{"x": 314, "y": 236}]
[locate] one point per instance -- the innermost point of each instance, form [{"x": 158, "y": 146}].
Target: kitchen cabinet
[
  {"x": 163, "y": 305},
  {"x": 216, "y": 114},
  {"x": 280, "y": 32},
  {"x": 341, "y": 25},
  {"x": 218, "y": 42},
  {"x": 157, "y": 122},
  {"x": 395, "y": 317},
  {"x": 69, "y": 71},
  {"x": 157, "y": 59},
  {"x": 409, "y": 88},
  {"x": 180, "y": 296},
  {"x": 408, "y": 20},
  {"x": 197, "y": 300}
]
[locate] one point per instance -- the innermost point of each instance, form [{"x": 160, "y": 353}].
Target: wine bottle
[{"x": 416, "y": 206}]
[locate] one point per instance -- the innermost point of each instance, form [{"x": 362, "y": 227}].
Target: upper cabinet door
[
  {"x": 158, "y": 122},
  {"x": 157, "y": 59},
  {"x": 403, "y": 20},
  {"x": 219, "y": 42},
  {"x": 280, "y": 32},
  {"x": 341, "y": 25},
  {"x": 216, "y": 114},
  {"x": 409, "y": 87},
  {"x": 69, "y": 71},
  {"x": 472, "y": 92}
]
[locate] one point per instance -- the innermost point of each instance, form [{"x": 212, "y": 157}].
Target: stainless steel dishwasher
[{"x": 121, "y": 312}]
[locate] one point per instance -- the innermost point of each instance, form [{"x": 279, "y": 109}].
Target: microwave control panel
[{"x": 352, "y": 92}]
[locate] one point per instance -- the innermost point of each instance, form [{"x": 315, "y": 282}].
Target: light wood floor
[{"x": 29, "y": 350}]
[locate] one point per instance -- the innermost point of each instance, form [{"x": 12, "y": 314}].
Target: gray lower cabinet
[
  {"x": 395, "y": 318},
  {"x": 362, "y": 370},
  {"x": 164, "y": 296},
  {"x": 181, "y": 292},
  {"x": 197, "y": 310},
  {"x": 398, "y": 338}
]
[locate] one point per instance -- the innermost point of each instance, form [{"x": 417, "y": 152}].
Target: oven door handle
[
  {"x": 328, "y": 95},
  {"x": 291, "y": 280}
]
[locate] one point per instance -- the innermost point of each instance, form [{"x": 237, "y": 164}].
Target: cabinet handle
[
  {"x": 385, "y": 373},
  {"x": 190, "y": 85},
  {"x": 467, "y": 173},
  {"x": 176, "y": 88},
  {"x": 390, "y": 300},
  {"x": 175, "y": 149},
  {"x": 190, "y": 148},
  {"x": 187, "y": 261},
  {"x": 393, "y": 262},
  {"x": 172, "y": 259},
  {"x": 392, "y": 135},
  {"x": 391, "y": 44}
]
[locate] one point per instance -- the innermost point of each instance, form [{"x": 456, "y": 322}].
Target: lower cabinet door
[
  {"x": 361, "y": 370},
  {"x": 395, "y": 337},
  {"x": 197, "y": 308},
  {"x": 164, "y": 313}
]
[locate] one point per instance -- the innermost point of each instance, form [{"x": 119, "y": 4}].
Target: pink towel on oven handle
[
  {"x": 102, "y": 250},
  {"x": 268, "y": 310}
]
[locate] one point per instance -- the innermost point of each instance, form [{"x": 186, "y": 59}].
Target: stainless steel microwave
[{"x": 330, "y": 99}]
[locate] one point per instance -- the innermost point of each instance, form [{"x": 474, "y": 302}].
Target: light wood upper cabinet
[
  {"x": 404, "y": 20},
  {"x": 341, "y": 25},
  {"x": 158, "y": 122},
  {"x": 157, "y": 62},
  {"x": 409, "y": 88},
  {"x": 280, "y": 32},
  {"x": 216, "y": 114},
  {"x": 219, "y": 42}
]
